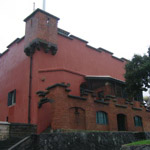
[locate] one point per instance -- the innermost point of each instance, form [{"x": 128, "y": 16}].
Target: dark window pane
[
  {"x": 137, "y": 121},
  {"x": 101, "y": 118},
  {"x": 11, "y": 97},
  {"x": 118, "y": 91},
  {"x": 101, "y": 94}
]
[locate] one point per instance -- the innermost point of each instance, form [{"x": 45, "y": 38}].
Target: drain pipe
[{"x": 30, "y": 89}]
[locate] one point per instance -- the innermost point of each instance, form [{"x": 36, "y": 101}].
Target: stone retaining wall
[{"x": 82, "y": 140}]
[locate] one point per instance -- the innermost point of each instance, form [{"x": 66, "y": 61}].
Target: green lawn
[{"x": 144, "y": 142}]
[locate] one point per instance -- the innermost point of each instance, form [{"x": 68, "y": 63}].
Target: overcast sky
[{"x": 120, "y": 26}]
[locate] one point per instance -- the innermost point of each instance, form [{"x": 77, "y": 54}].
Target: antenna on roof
[
  {"x": 34, "y": 6},
  {"x": 44, "y": 4}
]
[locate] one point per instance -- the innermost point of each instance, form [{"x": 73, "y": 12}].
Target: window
[
  {"x": 48, "y": 20},
  {"x": 31, "y": 22},
  {"x": 137, "y": 121},
  {"x": 101, "y": 94},
  {"x": 139, "y": 97},
  {"x": 101, "y": 118},
  {"x": 12, "y": 98},
  {"x": 118, "y": 91}
]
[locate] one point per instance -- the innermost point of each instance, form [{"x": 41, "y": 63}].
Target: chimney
[{"x": 41, "y": 32}]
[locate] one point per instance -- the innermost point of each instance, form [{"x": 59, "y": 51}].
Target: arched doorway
[
  {"x": 77, "y": 118},
  {"x": 121, "y": 121}
]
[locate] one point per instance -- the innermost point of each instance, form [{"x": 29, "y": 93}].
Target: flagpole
[{"x": 44, "y": 3}]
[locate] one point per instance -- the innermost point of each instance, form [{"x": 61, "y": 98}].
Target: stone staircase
[{"x": 6, "y": 144}]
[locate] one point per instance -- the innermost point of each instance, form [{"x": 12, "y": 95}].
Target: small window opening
[
  {"x": 12, "y": 98},
  {"x": 48, "y": 20},
  {"x": 118, "y": 91},
  {"x": 31, "y": 22},
  {"x": 100, "y": 94}
]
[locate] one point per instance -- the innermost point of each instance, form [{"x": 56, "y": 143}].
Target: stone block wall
[
  {"x": 21, "y": 130},
  {"x": 10, "y": 130},
  {"x": 4, "y": 130}
]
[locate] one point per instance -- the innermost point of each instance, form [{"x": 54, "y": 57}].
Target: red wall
[
  {"x": 14, "y": 74},
  {"x": 73, "y": 60},
  {"x": 74, "y": 55}
]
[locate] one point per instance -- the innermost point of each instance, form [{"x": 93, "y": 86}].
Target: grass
[{"x": 144, "y": 142}]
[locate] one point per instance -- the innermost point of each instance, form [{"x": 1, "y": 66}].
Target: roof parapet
[
  {"x": 102, "y": 49},
  {"x": 1, "y": 54},
  {"x": 17, "y": 40},
  {"x": 75, "y": 37},
  {"x": 117, "y": 58},
  {"x": 42, "y": 11},
  {"x": 124, "y": 59},
  {"x": 63, "y": 32}
]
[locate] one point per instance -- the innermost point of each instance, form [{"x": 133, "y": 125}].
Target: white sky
[{"x": 120, "y": 26}]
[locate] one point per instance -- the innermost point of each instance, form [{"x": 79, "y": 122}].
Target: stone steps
[{"x": 4, "y": 145}]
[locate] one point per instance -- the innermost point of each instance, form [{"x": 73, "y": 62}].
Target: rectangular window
[
  {"x": 139, "y": 97},
  {"x": 118, "y": 91},
  {"x": 101, "y": 94},
  {"x": 138, "y": 121},
  {"x": 12, "y": 98}
]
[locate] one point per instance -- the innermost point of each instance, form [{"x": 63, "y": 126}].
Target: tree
[{"x": 137, "y": 74}]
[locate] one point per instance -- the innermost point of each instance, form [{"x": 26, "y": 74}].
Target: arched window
[
  {"x": 137, "y": 121},
  {"x": 101, "y": 118}
]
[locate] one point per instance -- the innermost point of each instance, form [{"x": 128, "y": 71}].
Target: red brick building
[{"x": 51, "y": 78}]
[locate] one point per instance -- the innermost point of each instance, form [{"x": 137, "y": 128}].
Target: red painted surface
[
  {"x": 14, "y": 74},
  {"x": 73, "y": 60}
]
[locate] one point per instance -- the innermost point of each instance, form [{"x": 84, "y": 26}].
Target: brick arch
[{"x": 77, "y": 118}]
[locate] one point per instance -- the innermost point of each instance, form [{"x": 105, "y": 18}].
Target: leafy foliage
[
  {"x": 138, "y": 74},
  {"x": 144, "y": 142}
]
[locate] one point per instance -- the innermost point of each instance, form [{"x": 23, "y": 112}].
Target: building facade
[{"x": 51, "y": 78}]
